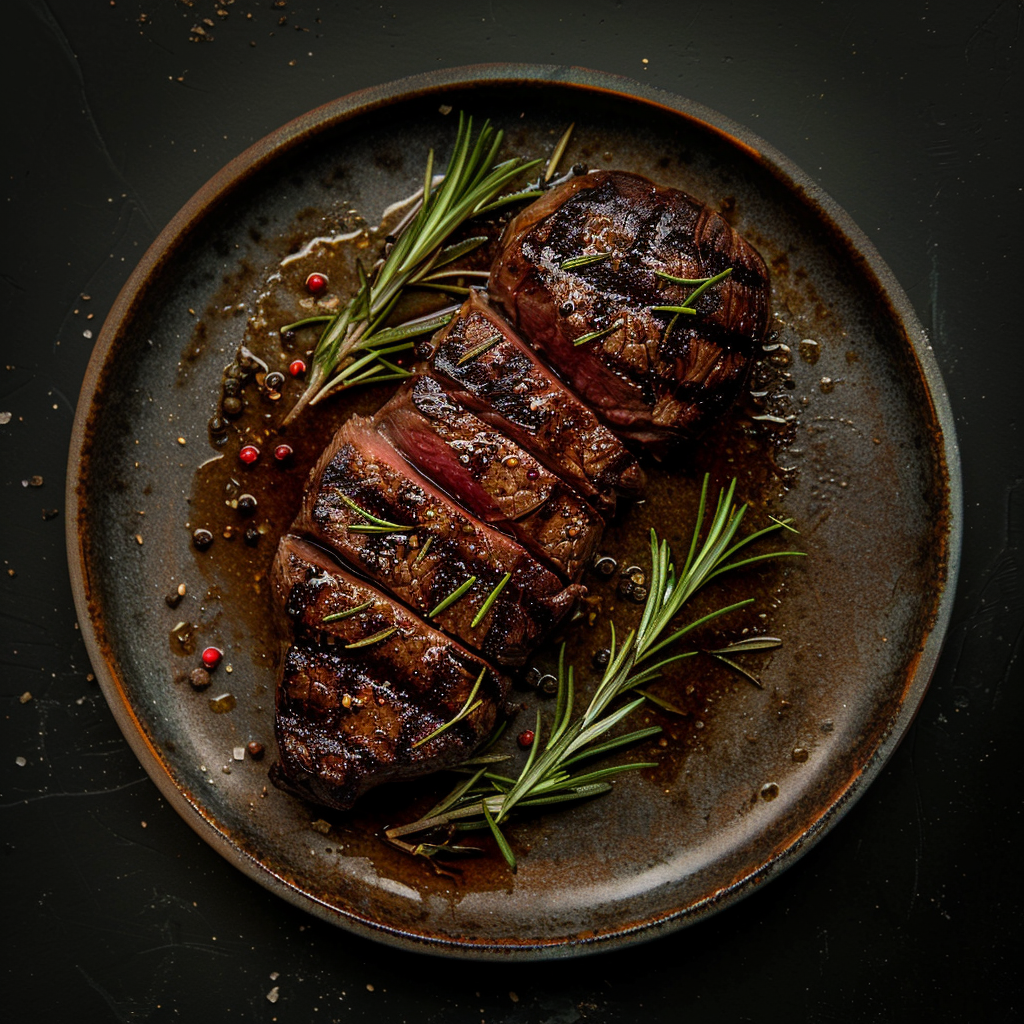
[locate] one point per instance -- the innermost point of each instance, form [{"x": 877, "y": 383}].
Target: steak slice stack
[
  {"x": 654, "y": 381},
  {"x": 469, "y": 505},
  {"x": 429, "y": 548},
  {"x": 366, "y": 683}
]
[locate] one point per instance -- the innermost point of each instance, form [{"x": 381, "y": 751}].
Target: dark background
[{"x": 114, "y": 114}]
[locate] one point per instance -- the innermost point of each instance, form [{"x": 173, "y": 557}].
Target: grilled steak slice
[
  {"x": 348, "y": 717},
  {"x": 651, "y": 383},
  {"x": 488, "y": 369},
  {"x": 372, "y": 508},
  {"x": 490, "y": 475}
]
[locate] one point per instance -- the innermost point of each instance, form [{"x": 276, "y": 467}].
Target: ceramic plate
[{"x": 852, "y": 439}]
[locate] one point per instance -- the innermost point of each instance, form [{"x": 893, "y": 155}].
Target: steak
[
  {"x": 486, "y": 367},
  {"x": 351, "y": 717},
  {"x": 490, "y": 475},
  {"x": 367, "y": 504},
  {"x": 652, "y": 376}
]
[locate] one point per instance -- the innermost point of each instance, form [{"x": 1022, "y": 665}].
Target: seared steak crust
[
  {"x": 490, "y": 475},
  {"x": 488, "y": 369},
  {"x": 650, "y": 383},
  {"x": 348, "y": 718},
  {"x": 361, "y": 481}
]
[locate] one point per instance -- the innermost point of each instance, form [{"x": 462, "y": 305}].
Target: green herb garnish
[
  {"x": 594, "y": 335},
  {"x": 703, "y": 284},
  {"x": 478, "y": 350},
  {"x": 452, "y": 597},
  {"x": 585, "y": 260},
  {"x": 375, "y": 639},
  {"x": 338, "y": 616},
  {"x": 486, "y": 799},
  {"x": 349, "y": 348},
  {"x": 373, "y": 524},
  {"x": 491, "y": 598},
  {"x": 467, "y": 709}
]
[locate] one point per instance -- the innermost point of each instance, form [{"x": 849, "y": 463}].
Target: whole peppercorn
[
  {"x": 199, "y": 678},
  {"x": 316, "y": 283},
  {"x": 525, "y": 738},
  {"x": 211, "y": 657},
  {"x": 246, "y": 504},
  {"x": 249, "y": 454},
  {"x": 202, "y": 539}
]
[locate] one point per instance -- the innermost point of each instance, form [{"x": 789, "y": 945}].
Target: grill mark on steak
[
  {"x": 361, "y": 467},
  {"x": 491, "y": 475},
  {"x": 508, "y": 387},
  {"x": 650, "y": 387},
  {"x": 347, "y": 720}
]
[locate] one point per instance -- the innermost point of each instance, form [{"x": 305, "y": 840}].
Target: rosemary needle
[
  {"x": 375, "y": 639},
  {"x": 338, "y": 616},
  {"x": 594, "y": 335},
  {"x": 452, "y": 597},
  {"x": 491, "y": 598}
]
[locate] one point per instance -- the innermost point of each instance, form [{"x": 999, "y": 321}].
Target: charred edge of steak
[
  {"x": 361, "y": 469},
  {"x": 348, "y": 718},
  {"x": 491, "y": 475},
  {"x": 651, "y": 384},
  {"x": 488, "y": 368}
]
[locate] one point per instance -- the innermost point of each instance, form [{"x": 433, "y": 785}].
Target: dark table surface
[{"x": 115, "y": 113}]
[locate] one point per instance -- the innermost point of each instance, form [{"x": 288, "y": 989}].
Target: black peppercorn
[
  {"x": 246, "y": 504},
  {"x": 202, "y": 539}
]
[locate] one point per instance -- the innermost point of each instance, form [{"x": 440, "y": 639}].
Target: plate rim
[{"x": 349, "y": 107}]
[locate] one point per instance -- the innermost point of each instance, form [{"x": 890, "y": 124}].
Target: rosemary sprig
[
  {"x": 467, "y": 709},
  {"x": 487, "y": 799},
  {"x": 470, "y": 186},
  {"x": 454, "y": 596}
]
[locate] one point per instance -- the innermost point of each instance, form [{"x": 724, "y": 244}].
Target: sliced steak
[
  {"x": 366, "y": 503},
  {"x": 488, "y": 369},
  {"x": 349, "y": 717},
  {"x": 491, "y": 475},
  {"x": 651, "y": 383}
]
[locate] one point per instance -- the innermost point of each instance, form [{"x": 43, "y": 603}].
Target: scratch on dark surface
[
  {"x": 64, "y": 398},
  {"x": 107, "y": 998},
  {"x": 983, "y": 26},
  {"x": 55, "y": 796},
  {"x": 47, "y": 16}
]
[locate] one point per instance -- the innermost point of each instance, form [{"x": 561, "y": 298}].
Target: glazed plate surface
[{"x": 852, "y": 439}]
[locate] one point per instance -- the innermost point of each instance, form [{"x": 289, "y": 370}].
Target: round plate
[{"x": 868, "y": 470}]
